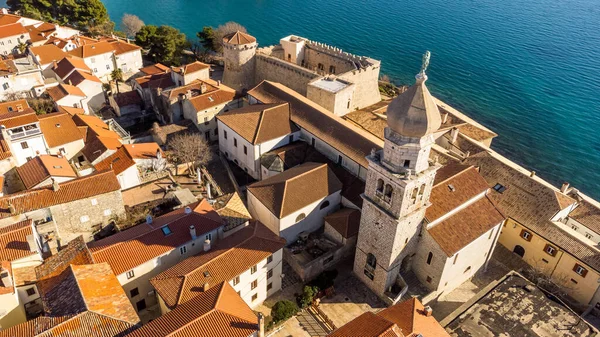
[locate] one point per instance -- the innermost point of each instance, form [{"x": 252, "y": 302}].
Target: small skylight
[
  {"x": 499, "y": 188},
  {"x": 57, "y": 125},
  {"x": 207, "y": 274},
  {"x": 57, "y": 166},
  {"x": 166, "y": 230}
]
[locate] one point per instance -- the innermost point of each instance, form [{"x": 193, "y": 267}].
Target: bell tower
[{"x": 399, "y": 181}]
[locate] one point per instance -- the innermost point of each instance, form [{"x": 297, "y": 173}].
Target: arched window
[
  {"x": 379, "y": 189},
  {"x": 324, "y": 204},
  {"x": 422, "y": 189},
  {"x": 429, "y": 257},
  {"x": 387, "y": 195},
  {"x": 332, "y": 69},
  {"x": 371, "y": 261},
  {"x": 300, "y": 217}
]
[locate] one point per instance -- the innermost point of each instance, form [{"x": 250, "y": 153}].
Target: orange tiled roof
[
  {"x": 259, "y": 123},
  {"x": 18, "y": 118},
  {"x": 35, "y": 34},
  {"x": 122, "y": 47},
  {"x": 92, "y": 49},
  {"x": 117, "y": 162},
  {"x": 219, "y": 312},
  {"x": 155, "y": 69},
  {"x": 295, "y": 188},
  {"x": 13, "y": 241},
  {"x": 48, "y": 53},
  {"x": 4, "y": 150},
  {"x": 6, "y": 19},
  {"x": 59, "y": 129},
  {"x": 227, "y": 259},
  {"x": 63, "y": 90},
  {"x": 160, "y": 80},
  {"x": 345, "y": 221},
  {"x": 43, "y": 167},
  {"x": 142, "y": 243},
  {"x": 368, "y": 325},
  {"x": 78, "y": 76},
  {"x": 211, "y": 99},
  {"x": 143, "y": 150},
  {"x": 71, "y": 110},
  {"x": 191, "y": 68},
  {"x": 13, "y": 29},
  {"x": 239, "y": 38},
  {"x": 68, "y": 64},
  {"x": 12, "y": 106},
  {"x": 410, "y": 317},
  {"x": 80, "y": 188}
]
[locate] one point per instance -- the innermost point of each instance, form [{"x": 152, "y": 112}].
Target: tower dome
[{"x": 414, "y": 113}]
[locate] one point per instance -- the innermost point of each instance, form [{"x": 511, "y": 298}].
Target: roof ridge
[
  {"x": 111, "y": 317},
  {"x": 455, "y": 175},
  {"x": 78, "y": 286},
  {"x": 180, "y": 288},
  {"x": 122, "y": 242},
  {"x": 260, "y": 120}
]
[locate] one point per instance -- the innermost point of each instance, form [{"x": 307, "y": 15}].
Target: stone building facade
[{"x": 336, "y": 80}]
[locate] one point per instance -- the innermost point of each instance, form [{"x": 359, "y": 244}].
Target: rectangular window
[
  {"x": 183, "y": 250},
  {"x": 235, "y": 142},
  {"x": 328, "y": 260},
  {"x": 369, "y": 274},
  {"x": 406, "y": 163},
  {"x": 95, "y": 70},
  {"x": 24, "y": 145},
  {"x": 269, "y": 286},
  {"x": 141, "y": 305},
  {"x": 574, "y": 227},
  {"x": 269, "y": 274},
  {"x": 5, "y": 86},
  {"x": 108, "y": 67},
  {"x": 107, "y": 212},
  {"x": 499, "y": 188},
  {"x": 236, "y": 280},
  {"x": 134, "y": 292},
  {"x": 245, "y": 150},
  {"x": 491, "y": 234},
  {"x": 166, "y": 230},
  {"x": 340, "y": 160},
  {"x": 455, "y": 258},
  {"x": 429, "y": 279},
  {"x": 30, "y": 291},
  {"x": 224, "y": 134},
  {"x": 205, "y": 120},
  {"x": 270, "y": 259},
  {"x": 291, "y": 138},
  {"x": 253, "y": 285},
  {"x": 253, "y": 269},
  {"x": 93, "y": 59},
  {"x": 84, "y": 218},
  {"x": 254, "y": 297},
  {"x": 580, "y": 270},
  {"x": 525, "y": 235},
  {"x": 208, "y": 236},
  {"x": 216, "y": 132},
  {"x": 130, "y": 274},
  {"x": 550, "y": 250},
  {"x": 313, "y": 142},
  {"x": 94, "y": 202},
  {"x": 588, "y": 235}
]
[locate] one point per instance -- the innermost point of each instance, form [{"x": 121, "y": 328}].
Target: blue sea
[{"x": 529, "y": 70}]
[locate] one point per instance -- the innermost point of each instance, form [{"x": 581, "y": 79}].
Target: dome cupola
[{"x": 414, "y": 113}]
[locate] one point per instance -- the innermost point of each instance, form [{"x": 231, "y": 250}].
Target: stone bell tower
[{"x": 399, "y": 182}]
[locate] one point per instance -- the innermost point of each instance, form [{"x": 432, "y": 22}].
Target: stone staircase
[{"x": 415, "y": 288}]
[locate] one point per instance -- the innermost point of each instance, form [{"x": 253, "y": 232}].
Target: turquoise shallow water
[{"x": 530, "y": 70}]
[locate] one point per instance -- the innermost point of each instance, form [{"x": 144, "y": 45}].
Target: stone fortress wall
[
  {"x": 271, "y": 66},
  {"x": 239, "y": 65}
]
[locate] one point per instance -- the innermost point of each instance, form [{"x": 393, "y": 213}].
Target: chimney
[
  {"x": 261, "y": 325},
  {"x": 445, "y": 118},
  {"x": 193, "y": 232},
  {"x": 202, "y": 88},
  {"x": 5, "y": 277},
  {"x": 55, "y": 186},
  {"x": 206, "y": 245},
  {"x": 428, "y": 311},
  {"x": 564, "y": 187},
  {"x": 454, "y": 135},
  {"x": 205, "y": 287},
  {"x": 54, "y": 64},
  {"x": 70, "y": 83},
  {"x": 532, "y": 174},
  {"x": 188, "y": 94},
  {"x": 188, "y": 210},
  {"x": 218, "y": 83}
]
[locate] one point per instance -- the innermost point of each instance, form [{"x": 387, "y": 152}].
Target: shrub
[
  {"x": 308, "y": 295},
  {"x": 283, "y": 310}
]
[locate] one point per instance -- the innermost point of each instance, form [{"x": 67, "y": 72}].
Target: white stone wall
[
  {"x": 340, "y": 102},
  {"x": 246, "y": 279},
  {"x": 71, "y": 149},
  {"x": 366, "y": 91},
  {"x": 8, "y": 44},
  {"x": 333, "y": 154},
  {"x": 73, "y": 101},
  {"x": 129, "y": 62},
  {"x": 102, "y": 65},
  {"x": 129, "y": 178},
  {"x": 22, "y": 83},
  {"x": 95, "y": 95},
  {"x": 35, "y": 145}
]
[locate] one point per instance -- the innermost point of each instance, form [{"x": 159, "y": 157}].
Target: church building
[{"x": 399, "y": 235}]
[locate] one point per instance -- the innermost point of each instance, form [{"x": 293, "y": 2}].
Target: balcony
[
  {"x": 114, "y": 126},
  {"x": 25, "y": 131}
]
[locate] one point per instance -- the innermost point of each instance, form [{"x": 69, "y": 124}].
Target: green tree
[
  {"x": 81, "y": 14},
  {"x": 117, "y": 76},
  {"x": 165, "y": 44},
  {"x": 283, "y": 310},
  {"x": 308, "y": 294},
  {"x": 207, "y": 38}
]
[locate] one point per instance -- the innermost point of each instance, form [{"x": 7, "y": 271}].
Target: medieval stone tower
[
  {"x": 399, "y": 182},
  {"x": 239, "y": 50}
]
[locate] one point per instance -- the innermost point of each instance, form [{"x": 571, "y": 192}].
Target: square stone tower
[{"x": 398, "y": 186}]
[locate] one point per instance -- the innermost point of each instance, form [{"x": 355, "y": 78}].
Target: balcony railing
[
  {"x": 113, "y": 125},
  {"x": 25, "y": 133}
]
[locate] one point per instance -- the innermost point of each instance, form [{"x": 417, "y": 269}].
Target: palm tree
[
  {"x": 117, "y": 76},
  {"x": 22, "y": 47}
]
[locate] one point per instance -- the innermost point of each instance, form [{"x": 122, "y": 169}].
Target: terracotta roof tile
[
  {"x": 92, "y": 49},
  {"x": 238, "y": 38},
  {"x": 145, "y": 242},
  {"x": 342, "y": 135},
  {"x": 68, "y": 64},
  {"x": 191, "y": 68},
  {"x": 368, "y": 325},
  {"x": 6, "y": 19},
  {"x": 142, "y": 150},
  {"x": 75, "y": 253},
  {"x": 447, "y": 194},
  {"x": 4, "y": 150},
  {"x": 345, "y": 221},
  {"x": 19, "y": 118},
  {"x": 128, "y": 98},
  {"x": 48, "y": 53},
  {"x": 43, "y": 167},
  {"x": 80, "y": 188},
  {"x": 295, "y": 188},
  {"x": 33, "y": 328},
  {"x": 410, "y": 317},
  {"x": 587, "y": 215},
  {"x": 219, "y": 312},
  {"x": 36, "y": 35},
  {"x": 155, "y": 69},
  {"x": 227, "y": 259},
  {"x": 13, "y": 241},
  {"x": 63, "y": 90},
  {"x": 7, "y": 107},
  {"x": 71, "y": 110},
  {"x": 211, "y": 99},
  {"x": 259, "y": 123},
  {"x": 122, "y": 47},
  {"x": 117, "y": 162},
  {"x": 159, "y": 80},
  {"x": 59, "y": 129},
  {"x": 77, "y": 77},
  {"x": 13, "y": 29},
  {"x": 233, "y": 212}
]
